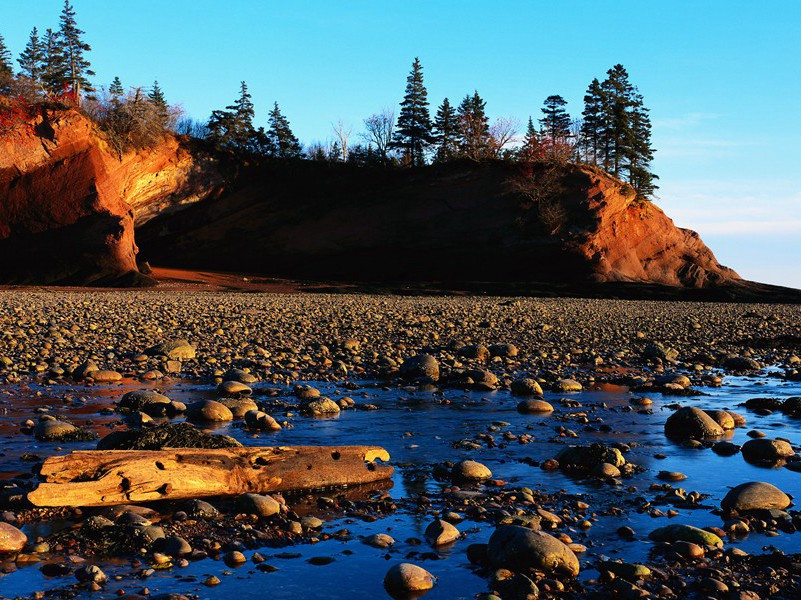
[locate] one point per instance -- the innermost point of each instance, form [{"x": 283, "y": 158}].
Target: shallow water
[{"x": 418, "y": 429}]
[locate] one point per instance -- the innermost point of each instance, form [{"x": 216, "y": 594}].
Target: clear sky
[{"x": 722, "y": 79}]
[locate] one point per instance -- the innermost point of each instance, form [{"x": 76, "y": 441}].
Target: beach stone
[
  {"x": 11, "y": 539},
  {"x": 53, "y": 430},
  {"x": 504, "y": 350},
  {"x": 483, "y": 379},
  {"x": 305, "y": 392},
  {"x": 239, "y": 375},
  {"x": 420, "y": 366},
  {"x": 685, "y": 533},
  {"x": 209, "y": 410},
  {"x": 441, "y": 533},
  {"x": 740, "y": 363},
  {"x": 767, "y": 450},
  {"x": 526, "y": 387},
  {"x": 628, "y": 571},
  {"x": 179, "y": 349},
  {"x": 105, "y": 376},
  {"x": 792, "y": 406},
  {"x": 176, "y": 546},
  {"x": 470, "y": 470},
  {"x": 238, "y": 406},
  {"x": 200, "y": 508},
  {"x": 660, "y": 351},
  {"x": 565, "y": 386},
  {"x": 406, "y": 577},
  {"x": 233, "y": 389},
  {"x": 533, "y": 406},
  {"x": 141, "y": 400},
  {"x": 755, "y": 495},
  {"x": 91, "y": 574},
  {"x": 588, "y": 457},
  {"x": 475, "y": 352},
  {"x": 319, "y": 406},
  {"x": 690, "y": 422},
  {"x": 257, "y": 504},
  {"x": 520, "y": 549},
  {"x": 256, "y": 419},
  {"x": 722, "y": 418},
  {"x": 379, "y": 540},
  {"x": 606, "y": 470},
  {"x": 725, "y": 448},
  {"x": 171, "y": 435},
  {"x": 83, "y": 370}
]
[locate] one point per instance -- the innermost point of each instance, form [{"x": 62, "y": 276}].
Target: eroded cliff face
[
  {"x": 68, "y": 203},
  {"x": 454, "y": 222},
  {"x": 632, "y": 240}
]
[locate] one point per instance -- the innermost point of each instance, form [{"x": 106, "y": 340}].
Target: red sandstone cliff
[
  {"x": 68, "y": 202},
  {"x": 69, "y": 205}
]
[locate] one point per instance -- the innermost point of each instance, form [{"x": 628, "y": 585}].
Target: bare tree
[
  {"x": 378, "y": 130},
  {"x": 502, "y": 133},
  {"x": 342, "y": 133}
]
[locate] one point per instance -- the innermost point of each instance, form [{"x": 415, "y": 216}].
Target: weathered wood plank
[{"x": 108, "y": 477}]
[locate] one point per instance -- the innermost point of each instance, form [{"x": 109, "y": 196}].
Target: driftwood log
[{"x": 109, "y": 477}]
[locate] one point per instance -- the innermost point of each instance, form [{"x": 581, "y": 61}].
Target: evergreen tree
[
  {"x": 5, "y": 60},
  {"x": 592, "y": 126},
  {"x": 474, "y": 137},
  {"x": 618, "y": 95},
  {"x": 156, "y": 96},
  {"x": 284, "y": 142},
  {"x": 115, "y": 89},
  {"x": 78, "y": 67},
  {"x": 232, "y": 128},
  {"x": 446, "y": 132},
  {"x": 54, "y": 67},
  {"x": 32, "y": 58},
  {"x": 413, "y": 133},
  {"x": 640, "y": 152},
  {"x": 530, "y": 148},
  {"x": 555, "y": 121}
]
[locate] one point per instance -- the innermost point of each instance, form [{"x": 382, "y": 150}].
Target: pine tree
[
  {"x": 530, "y": 148},
  {"x": 474, "y": 137},
  {"x": 592, "y": 126},
  {"x": 555, "y": 121},
  {"x": 54, "y": 67},
  {"x": 413, "y": 133},
  {"x": 32, "y": 58},
  {"x": 5, "y": 60},
  {"x": 640, "y": 152},
  {"x": 156, "y": 96},
  {"x": 232, "y": 128},
  {"x": 115, "y": 89},
  {"x": 446, "y": 132},
  {"x": 284, "y": 142},
  {"x": 78, "y": 67}
]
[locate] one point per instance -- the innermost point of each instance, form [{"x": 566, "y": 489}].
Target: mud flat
[{"x": 541, "y": 447}]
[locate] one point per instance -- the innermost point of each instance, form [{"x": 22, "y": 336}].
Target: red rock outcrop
[
  {"x": 455, "y": 222},
  {"x": 67, "y": 201}
]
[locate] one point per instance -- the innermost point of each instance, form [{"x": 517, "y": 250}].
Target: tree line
[{"x": 613, "y": 131}]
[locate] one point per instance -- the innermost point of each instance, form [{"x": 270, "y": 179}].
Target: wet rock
[
  {"x": 526, "y": 387},
  {"x": 722, "y": 418},
  {"x": 239, "y": 375},
  {"x": 150, "y": 402},
  {"x": 406, "y": 577},
  {"x": 470, "y": 470},
  {"x": 233, "y": 389},
  {"x": 533, "y": 406},
  {"x": 606, "y": 470},
  {"x": 173, "y": 435},
  {"x": 660, "y": 351},
  {"x": 726, "y": 448},
  {"x": 209, "y": 410},
  {"x": 441, "y": 533},
  {"x": 105, "y": 376},
  {"x": 503, "y": 350},
  {"x": 586, "y": 458},
  {"x": 754, "y": 495},
  {"x": 91, "y": 574},
  {"x": 628, "y": 571},
  {"x": 420, "y": 366},
  {"x": 319, "y": 407},
  {"x": 200, "y": 508},
  {"x": 238, "y": 406},
  {"x": 520, "y": 549},
  {"x": 685, "y": 533},
  {"x": 178, "y": 349},
  {"x": 306, "y": 392},
  {"x": 740, "y": 363},
  {"x": 564, "y": 386},
  {"x": 379, "y": 540},
  {"x": 475, "y": 352},
  {"x": 49, "y": 429},
  {"x": 256, "y": 419},
  {"x": 690, "y": 422},
  {"x": 11, "y": 539},
  {"x": 766, "y": 450},
  {"x": 257, "y": 504}
]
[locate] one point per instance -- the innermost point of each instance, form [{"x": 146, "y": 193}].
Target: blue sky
[{"x": 722, "y": 79}]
